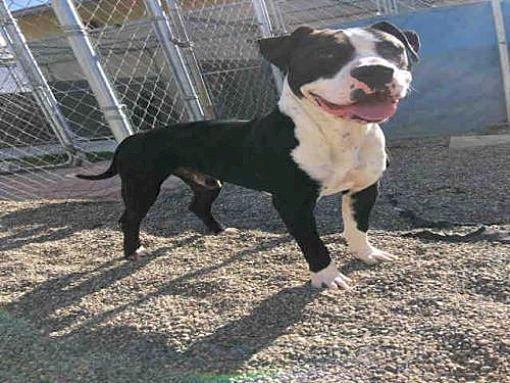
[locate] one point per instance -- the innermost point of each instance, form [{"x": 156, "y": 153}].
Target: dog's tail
[{"x": 108, "y": 173}]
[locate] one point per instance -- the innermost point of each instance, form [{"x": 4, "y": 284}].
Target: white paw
[
  {"x": 372, "y": 256},
  {"x": 230, "y": 231},
  {"x": 140, "y": 253},
  {"x": 330, "y": 277}
]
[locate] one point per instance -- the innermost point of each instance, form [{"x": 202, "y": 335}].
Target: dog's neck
[{"x": 306, "y": 115}]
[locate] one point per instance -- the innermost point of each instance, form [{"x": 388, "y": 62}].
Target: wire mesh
[
  {"x": 224, "y": 35},
  {"x": 216, "y": 37},
  {"x": 123, "y": 35},
  {"x": 28, "y": 146},
  {"x": 328, "y": 13},
  {"x": 52, "y": 52}
]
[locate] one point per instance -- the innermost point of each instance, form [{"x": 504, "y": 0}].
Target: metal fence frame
[
  {"x": 73, "y": 28},
  {"x": 268, "y": 30},
  {"x": 175, "y": 59},
  {"x": 41, "y": 90}
]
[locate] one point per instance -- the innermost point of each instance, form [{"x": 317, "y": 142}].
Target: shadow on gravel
[
  {"x": 224, "y": 351},
  {"x": 41, "y": 303},
  {"x": 182, "y": 285},
  {"x": 56, "y": 221},
  {"x": 481, "y": 234},
  {"x": 236, "y": 342},
  {"x": 120, "y": 353}
]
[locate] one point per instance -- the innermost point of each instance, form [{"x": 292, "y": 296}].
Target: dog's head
[{"x": 357, "y": 73}]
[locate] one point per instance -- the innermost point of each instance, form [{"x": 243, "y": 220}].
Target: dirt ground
[{"x": 206, "y": 308}]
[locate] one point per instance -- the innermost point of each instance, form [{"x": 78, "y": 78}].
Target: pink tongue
[
  {"x": 369, "y": 111},
  {"x": 373, "y": 111}
]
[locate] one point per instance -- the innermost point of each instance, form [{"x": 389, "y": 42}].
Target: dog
[{"x": 322, "y": 138}]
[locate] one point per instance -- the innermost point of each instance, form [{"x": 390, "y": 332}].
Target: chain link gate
[
  {"x": 33, "y": 135},
  {"x": 159, "y": 62}
]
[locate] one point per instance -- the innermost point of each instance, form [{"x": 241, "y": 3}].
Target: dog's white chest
[
  {"x": 353, "y": 175},
  {"x": 341, "y": 159}
]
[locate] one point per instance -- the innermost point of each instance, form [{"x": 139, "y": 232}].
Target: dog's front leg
[
  {"x": 300, "y": 221},
  {"x": 356, "y": 208}
]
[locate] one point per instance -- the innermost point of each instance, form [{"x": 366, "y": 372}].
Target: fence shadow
[
  {"x": 169, "y": 216},
  {"x": 234, "y": 343},
  {"x": 55, "y": 221},
  {"x": 224, "y": 351},
  {"x": 68, "y": 289}
]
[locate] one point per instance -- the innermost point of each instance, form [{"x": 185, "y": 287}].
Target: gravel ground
[{"x": 209, "y": 308}]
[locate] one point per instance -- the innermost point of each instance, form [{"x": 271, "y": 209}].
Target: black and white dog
[{"x": 323, "y": 138}]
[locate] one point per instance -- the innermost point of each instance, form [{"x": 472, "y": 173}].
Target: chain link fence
[{"x": 161, "y": 63}]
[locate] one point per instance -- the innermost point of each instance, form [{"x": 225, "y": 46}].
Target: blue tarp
[{"x": 458, "y": 81}]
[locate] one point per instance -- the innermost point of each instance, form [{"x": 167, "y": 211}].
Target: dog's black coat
[{"x": 253, "y": 154}]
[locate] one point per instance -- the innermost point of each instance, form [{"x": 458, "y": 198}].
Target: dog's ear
[
  {"x": 409, "y": 38},
  {"x": 413, "y": 39},
  {"x": 278, "y": 50}
]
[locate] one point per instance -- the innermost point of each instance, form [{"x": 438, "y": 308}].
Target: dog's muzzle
[{"x": 376, "y": 78}]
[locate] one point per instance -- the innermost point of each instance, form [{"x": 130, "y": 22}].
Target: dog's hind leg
[
  {"x": 205, "y": 191},
  {"x": 138, "y": 195},
  {"x": 201, "y": 203}
]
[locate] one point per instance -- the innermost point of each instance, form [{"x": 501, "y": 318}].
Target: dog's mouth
[{"x": 376, "y": 107}]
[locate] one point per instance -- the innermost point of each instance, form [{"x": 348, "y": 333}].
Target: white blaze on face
[{"x": 338, "y": 89}]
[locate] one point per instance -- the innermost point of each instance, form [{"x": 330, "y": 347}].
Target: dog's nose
[{"x": 374, "y": 76}]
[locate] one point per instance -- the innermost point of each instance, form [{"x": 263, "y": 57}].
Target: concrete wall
[{"x": 458, "y": 82}]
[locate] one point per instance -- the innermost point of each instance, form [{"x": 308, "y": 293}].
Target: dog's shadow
[{"x": 225, "y": 350}]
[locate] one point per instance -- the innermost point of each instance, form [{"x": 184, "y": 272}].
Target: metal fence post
[
  {"x": 503, "y": 51},
  {"x": 387, "y": 6},
  {"x": 175, "y": 59},
  {"x": 277, "y": 21},
  {"x": 266, "y": 27},
  {"x": 395, "y": 6},
  {"x": 180, "y": 31},
  {"x": 88, "y": 60},
  {"x": 41, "y": 90}
]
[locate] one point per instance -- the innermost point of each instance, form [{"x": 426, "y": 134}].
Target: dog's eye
[{"x": 392, "y": 52}]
